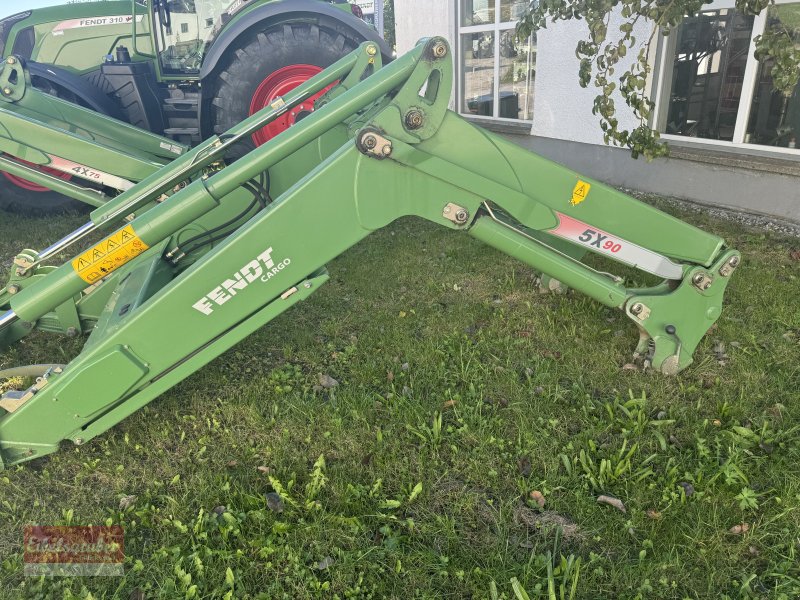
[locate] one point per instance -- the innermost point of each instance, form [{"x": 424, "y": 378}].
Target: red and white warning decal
[
  {"x": 95, "y": 22},
  {"x": 620, "y": 250},
  {"x": 88, "y": 173}
]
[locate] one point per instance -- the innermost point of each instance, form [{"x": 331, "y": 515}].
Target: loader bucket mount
[{"x": 179, "y": 281}]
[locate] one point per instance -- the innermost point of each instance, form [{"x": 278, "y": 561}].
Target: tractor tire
[
  {"x": 18, "y": 195},
  {"x": 270, "y": 63}
]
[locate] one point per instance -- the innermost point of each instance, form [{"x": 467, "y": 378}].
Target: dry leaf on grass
[
  {"x": 611, "y": 501},
  {"x": 740, "y": 529},
  {"x": 327, "y": 382},
  {"x": 537, "y": 497}
]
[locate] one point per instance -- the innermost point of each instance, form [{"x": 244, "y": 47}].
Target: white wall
[
  {"x": 417, "y": 19},
  {"x": 561, "y": 108}
]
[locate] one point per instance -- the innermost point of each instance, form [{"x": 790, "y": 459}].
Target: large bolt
[
  {"x": 414, "y": 119},
  {"x": 440, "y": 50},
  {"x": 11, "y": 60},
  {"x": 734, "y": 261},
  {"x": 370, "y": 141},
  {"x": 372, "y": 50},
  {"x": 13, "y": 289},
  {"x": 7, "y": 91},
  {"x": 387, "y": 150}
]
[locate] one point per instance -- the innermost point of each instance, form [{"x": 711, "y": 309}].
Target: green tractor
[{"x": 184, "y": 69}]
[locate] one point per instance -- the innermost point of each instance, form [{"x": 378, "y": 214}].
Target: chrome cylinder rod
[
  {"x": 66, "y": 242},
  {"x": 8, "y": 319}
]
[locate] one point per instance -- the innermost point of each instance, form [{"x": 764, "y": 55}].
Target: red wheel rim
[
  {"x": 277, "y": 84},
  {"x": 31, "y": 186}
]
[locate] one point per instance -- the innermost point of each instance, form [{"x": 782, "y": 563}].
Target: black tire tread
[{"x": 264, "y": 52}]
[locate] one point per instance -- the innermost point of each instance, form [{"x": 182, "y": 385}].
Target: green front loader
[
  {"x": 181, "y": 69},
  {"x": 205, "y": 249}
]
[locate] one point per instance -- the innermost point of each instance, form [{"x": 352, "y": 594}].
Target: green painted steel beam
[
  {"x": 88, "y": 196},
  {"x": 544, "y": 259}
]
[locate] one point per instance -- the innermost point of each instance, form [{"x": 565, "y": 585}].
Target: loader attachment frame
[
  {"x": 379, "y": 147},
  {"x": 106, "y": 156}
]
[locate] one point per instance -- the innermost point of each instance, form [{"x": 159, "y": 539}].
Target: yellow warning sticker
[
  {"x": 109, "y": 255},
  {"x": 580, "y": 192}
]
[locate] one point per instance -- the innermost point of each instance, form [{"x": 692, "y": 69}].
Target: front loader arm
[{"x": 402, "y": 153}]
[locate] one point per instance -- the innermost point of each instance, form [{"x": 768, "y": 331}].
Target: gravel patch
[{"x": 742, "y": 218}]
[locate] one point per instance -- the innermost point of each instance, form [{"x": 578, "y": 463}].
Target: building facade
[{"x": 734, "y": 139}]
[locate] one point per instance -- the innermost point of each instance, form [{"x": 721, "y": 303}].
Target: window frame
[
  {"x": 496, "y": 28},
  {"x": 663, "y": 88}
]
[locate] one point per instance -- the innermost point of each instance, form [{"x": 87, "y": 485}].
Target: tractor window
[{"x": 184, "y": 30}]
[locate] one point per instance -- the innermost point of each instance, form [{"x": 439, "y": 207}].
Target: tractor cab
[{"x": 185, "y": 28}]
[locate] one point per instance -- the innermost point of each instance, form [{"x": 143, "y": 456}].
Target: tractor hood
[{"x": 10, "y": 26}]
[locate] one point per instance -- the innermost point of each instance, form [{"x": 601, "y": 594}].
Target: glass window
[
  {"x": 708, "y": 72},
  {"x": 184, "y": 29},
  {"x": 497, "y": 70},
  {"x": 478, "y": 80},
  {"x": 714, "y": 88},
  {"x": 477, "y": 12},
  {"x": 516, "y": 77},
  {"x": 775, "y": 117},
  {"x": 511, "y": 10}
]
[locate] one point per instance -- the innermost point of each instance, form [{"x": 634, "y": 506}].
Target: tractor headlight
[{"x": 6, "y": 25}]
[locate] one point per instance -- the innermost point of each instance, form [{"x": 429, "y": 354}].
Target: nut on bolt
[
  {"x": 440, "y": 50},
  {"x": 11, "y": 60},
  {"x": 13, "y": 289},
  {"x": 637, "y": 309},
  {"x": 702, "y": 281},
  {"x": 372, "y": 50},
  {"x": 461, "y": 217},
  {"x": 414, "y": 119},
  {"x": 729, "y": 267},
  {"x": 370, "y": 141}
]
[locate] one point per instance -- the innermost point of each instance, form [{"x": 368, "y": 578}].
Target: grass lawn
[{"x": 474, "y": 426}]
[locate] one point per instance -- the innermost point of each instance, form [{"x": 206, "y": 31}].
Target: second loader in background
[{"x": 181, "y": 69}]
